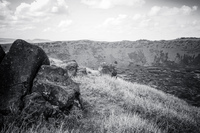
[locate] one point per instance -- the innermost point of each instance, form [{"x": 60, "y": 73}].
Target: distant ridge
[
  {"x": 180, "y": 52},
  {"x": 11, "y": 40}
]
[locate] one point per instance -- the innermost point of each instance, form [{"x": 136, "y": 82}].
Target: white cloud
[
  {"x": 106, "y": 4},
  {"x": 64, "y": 23},
  {"x": 41, "y": 9},
  {"x": 26, "y": 28},
  {"x": 30, "y": 15},
  {"x": 138, "y": 16},
  {"x": 154, "y": 10},
  {"x": 115, "y": 21},
  {"x": 167, "y": 11},
  {"x": 156, "y": 20},
  {"x": 47, "y": 29},
  {"x": 187, "y": 10},
  {"x": 5, "y": 12}
]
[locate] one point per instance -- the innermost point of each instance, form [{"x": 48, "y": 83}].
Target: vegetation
[{"x": 117, "y": 106}]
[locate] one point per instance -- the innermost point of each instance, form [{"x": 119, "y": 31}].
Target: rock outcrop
[
  {"x": 36, "y": 107},
  {"x": 107, "y": 69},
  {"x": 81, "y": 71},
  {"x": 52, "y": 87},
  {"x": 71, "y": 67},
  {"x": 17, "y": 71},
  {"x": 2, "y": 54}
]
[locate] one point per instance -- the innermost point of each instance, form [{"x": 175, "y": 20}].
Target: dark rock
[
  {"x": 55, "y": 87},
  {"x": 2, "y": 54},
  {"x": 36, "y": 107},
  {"x": 18, "y": 69},
  {"x": 107, "y": 69},
  {"x": 81, "y": 71},
  {"x": 71, "y": 67},
  {"x": 1, "y": 121}
]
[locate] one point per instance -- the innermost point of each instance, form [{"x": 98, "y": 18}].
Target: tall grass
[{"x": 117, "y": 106}]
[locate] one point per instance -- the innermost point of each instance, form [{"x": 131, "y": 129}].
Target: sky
[{"x": 101, "y": 20}]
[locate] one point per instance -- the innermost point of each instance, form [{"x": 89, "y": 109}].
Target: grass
[{"x": 117, "y": 106}]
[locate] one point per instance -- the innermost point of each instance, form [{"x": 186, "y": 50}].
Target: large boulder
[
  {"x": 36, "y": 107},
  {"x": 71, "y": 67},
  {"x": 2, "y": 54},
  {"x": 52, "y": 85},
  {"x": 81, "y": 71},
  {"x": 107, "y": 69},
  {"x": 17, "y": 71}
]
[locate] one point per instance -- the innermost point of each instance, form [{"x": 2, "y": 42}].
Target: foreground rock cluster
[{"x": 31, "y": 87}]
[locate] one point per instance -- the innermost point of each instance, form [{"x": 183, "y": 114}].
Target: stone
[
  {"x": 2, "y": 54},
  {"x": 107, "y": 69},
  {"x": 1, "y": 121},
  {"x": 71, "y": 67},
  {"x": 36, "y": 108},
  {"x": 81, "y": 71},
  {"x": 55, "y": 86},
  {"x": 18, "y": 69},
  {"x": 55, "y": 62}
]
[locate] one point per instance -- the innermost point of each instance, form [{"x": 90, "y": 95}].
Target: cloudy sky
[{"x": 108, "y": 20}]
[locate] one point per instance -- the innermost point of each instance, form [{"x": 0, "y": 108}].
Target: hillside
[
  {"x": 172, "y": 66},
  {"x": 173, "y": 53},
  {"x": 183, "y": 52},
  {"x": 115, "y": 105},
  {"x": 59, "y": 103}
]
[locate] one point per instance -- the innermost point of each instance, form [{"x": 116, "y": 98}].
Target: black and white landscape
[{"x": 105, "y": 66}]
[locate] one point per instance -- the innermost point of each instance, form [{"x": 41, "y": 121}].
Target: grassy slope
[{"x": 114, "y": 105}]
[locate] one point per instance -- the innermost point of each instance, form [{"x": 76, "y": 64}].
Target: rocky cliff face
[{"x": 180, "y": 52}]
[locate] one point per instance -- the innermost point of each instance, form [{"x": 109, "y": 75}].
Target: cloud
[
  {"x": 156, "y": 20},
  {"x": 47, "y": 29},
  {"x": 106, "y": 4},
  {"x": 167, "y": 11},
  {"x": 115, "y": 21},
  {"x": 41, "y": 9},
  {"x": 30, "y": 15},
  {"x": 26, "y": 28},
  {"x": 138, "y": 16},
  {"x": 154, "y": 11},
  {"x": 64, "y": 23},
  {"x": 5, "y": 12}
]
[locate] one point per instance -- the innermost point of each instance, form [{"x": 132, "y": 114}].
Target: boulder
[
  {"x": 55, "y": 62},
  {"x": 1, "y": 121},
  {"x": 2, "y": 54},
  {"x": 18, "y": 69},
  {"x": 92, "y": 72},
  {"x": 36, "y": 107},
  {"x": 107, "y": 69},
  {"x": 71, "y": 67},
  {"x": 53, "y": 85},
  {"x": 81, "y": 71}
]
